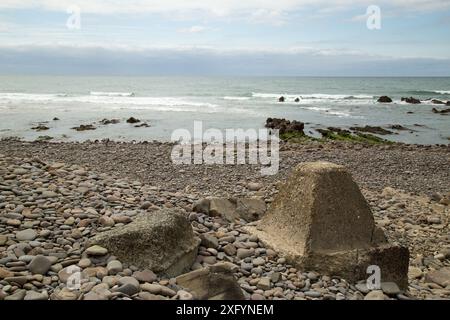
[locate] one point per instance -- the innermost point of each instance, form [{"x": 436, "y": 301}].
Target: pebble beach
[{"x": 54, "y": 197}]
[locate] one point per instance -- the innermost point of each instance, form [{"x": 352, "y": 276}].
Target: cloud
[
  {"x": 215, "y": 7},
  {"x": 210, "y": 61},
  {"x": 193, "y": 29}
]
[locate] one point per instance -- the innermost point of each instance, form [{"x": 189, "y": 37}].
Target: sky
[{"x": 226, "y": 37}]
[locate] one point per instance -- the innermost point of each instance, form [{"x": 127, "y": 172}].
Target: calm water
[{"x": 168, "y": 103}]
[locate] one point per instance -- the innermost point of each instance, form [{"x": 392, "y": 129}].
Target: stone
[
  {"x": 162, "y": 241},
  {"x": 17, "y": 295},
  {"x": 414, "y": 273},
  {"x": 114, "y": 267},
  {"x": 127, "y": 289},
  {"x": 441, "y": 276},
  {"x": 158, "y": 289},
  {"x": 244, "y": 253},
  {"x": 229, "y": 249},
  {"x": 39, "y": 265},
  {"x": 66, "y": 273},
  {"x": 129, "y": 280},
  {"x": 231, "y": 209},
  {"x": 201, "y": 206},
  {"x": 96, "y": 251},
  {"x": 106, "y": 221},
  {"x": 264, "y": 284},
  {"x": 211, "y": 283},
  {"x": 84, "y": 263},
  {"x": 222, "y": 207},
  {"x": 390, "y": 288},
  {"x": 26, "y": 235},
  {"x": 250, "y": 209},
  {"x": 362, "y": 287},
  {"x": 254, "y": 186},
  {"x": 5, "y": 273},
  {"x": 384, "y": 99},
  {"x": 145, "y": 276},
  {"x": 64, "y": 294},
  {"x": 184, "y": 295},
  {"x": 209, "y": 241},
  {"x": 3, "y": 239},
  {"x": 375, "y": 295},
  {"x": 320, "y": 221},
  {"x": 33, "y": 295}
]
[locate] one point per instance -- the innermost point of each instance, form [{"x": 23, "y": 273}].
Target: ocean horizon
[{"x": 167, "y": 103}]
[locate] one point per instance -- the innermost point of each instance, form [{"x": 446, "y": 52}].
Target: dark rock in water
[
  {"x": 133, "y": 120},
  {"x": 55, "y": 119},
  {"x": 448, "y": 103},
  {"x": 338, "y": 130},
  {"x": 411, "y": 100},
  {"x": 107, "y": 121},
  {"x": 84, "y": 127},
  {"x": 398, "y": 127},
  {"x": 281, "y": 99},
  {"x": 371, "y": 129},
  {"x": 435, "y": 101},
  {"x": 145, "y": 125},
  {"x": 297, "y": 99},
  {"x": 410, "y": 112},
  {"x": 285, "y": 125},
  {"x": 384, "y": 99},
  {"x": 444, "y": 111},
  {"x": 44, "y": 138},
  {"x": 40, "y": 127}
]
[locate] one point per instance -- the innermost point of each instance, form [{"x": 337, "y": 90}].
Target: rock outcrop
[
  {"x": 321, "y": 221},
  {"x": 285, "y": 126},
  {"x": 384, "y": 99},
  {"x": 411, "y": 100},
  {"x": 162, "y": 241}
]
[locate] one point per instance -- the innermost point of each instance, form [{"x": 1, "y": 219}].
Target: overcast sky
[{"x": 225, "y": 37}]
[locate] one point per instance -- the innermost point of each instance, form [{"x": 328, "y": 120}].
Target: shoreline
[{"x": 420, "y": 169}]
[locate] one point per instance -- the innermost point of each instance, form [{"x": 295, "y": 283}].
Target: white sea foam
[
  {"x": 236, "y": 98},
  {"x": 442, "y": 92},
  {"x": 102, "y": 99},
  {"x": 315, "y": 96},
  {"x": 112, "y": 94}
]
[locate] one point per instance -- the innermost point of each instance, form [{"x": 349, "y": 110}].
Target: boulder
[
  {"x": 435, "y": 101},
  {"x": 411, "y": 100},
  {"x": 320, "y": 221},
  {"x": 297, "y": 100},
  {"x": 384, "y": 99},
  {"x": 281, "y": 99},
  {"x": 372, "y": 129},
  {"x": 249, "y": 209},
  {"x": 285, "y": 126},
  {"x": 441, "y": 276},
  {"x": 440, "y": 111},
  {"x": 133, "y": 120},
  {"x": 215, "y": 282},
  {"x": 162, "y": 241}
]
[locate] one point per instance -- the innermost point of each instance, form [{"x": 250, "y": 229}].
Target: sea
[{"x": 170, "y": 103}]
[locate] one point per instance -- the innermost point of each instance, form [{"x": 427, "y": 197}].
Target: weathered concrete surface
[
  {"x": 321, "y": 221},
  {"x": 216, "y": 282},
  {"x": 162, "y": 241}
]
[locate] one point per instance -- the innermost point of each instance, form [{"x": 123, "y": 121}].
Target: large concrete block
[
  {"x": 321, "y": 221},
  {"x": 162, "y": 241}
]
